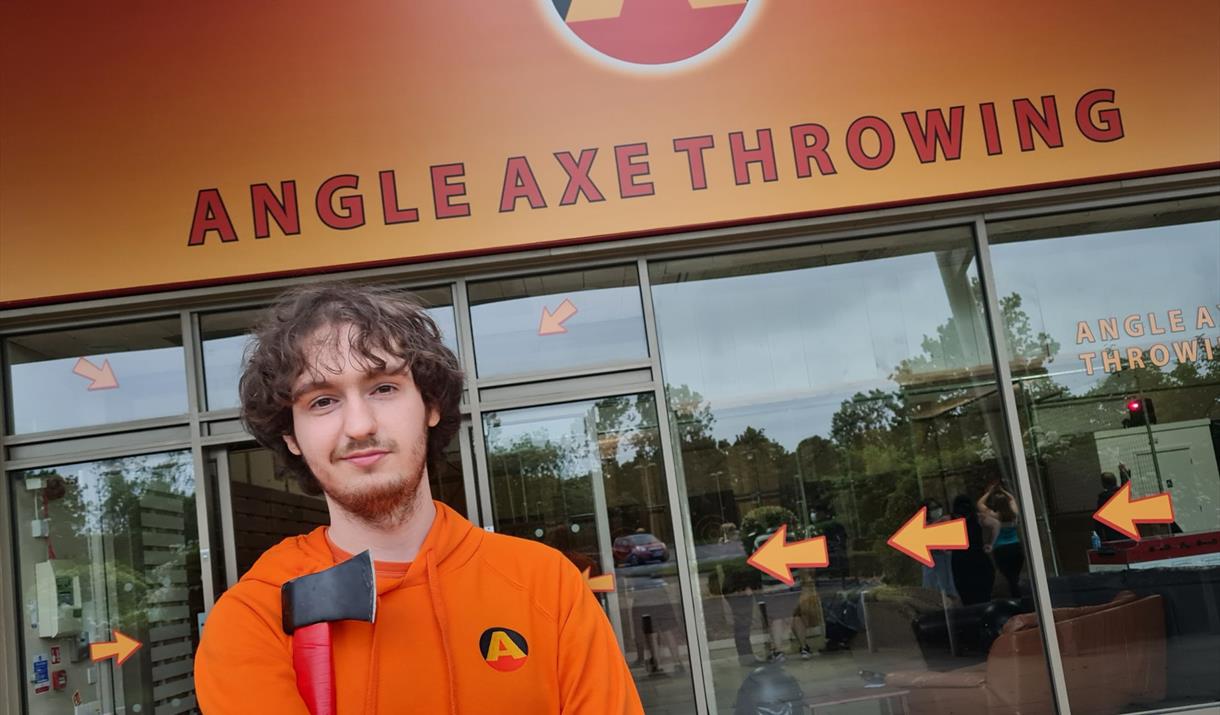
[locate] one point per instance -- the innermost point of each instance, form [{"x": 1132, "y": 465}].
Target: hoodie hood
[{"x": 452, "y": 542}]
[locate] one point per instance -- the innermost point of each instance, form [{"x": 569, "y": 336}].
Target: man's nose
[{"x": 359, "y": 422}]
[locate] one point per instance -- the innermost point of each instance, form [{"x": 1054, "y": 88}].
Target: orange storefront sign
[{"x": 172, "y": 144}]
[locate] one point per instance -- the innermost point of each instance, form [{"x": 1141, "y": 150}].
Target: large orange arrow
[
  {"x": 916, "y": 538},
  {"x": 1121, "y": 513},
  {"x": 777, "y": 558},
  {"x": 599, "y": 584},
  {"x": 102, "y": 377},
  {"x": 552, "y": 323},
  {"x": 120, "y": 648}
]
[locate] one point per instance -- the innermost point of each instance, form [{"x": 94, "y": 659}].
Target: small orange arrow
[
  {"x": 1121, "y": 513},
  {"x": 120, "y": 648},
  {"x": 552, "y": 323},
  {"x": 102, "y": 377},
  {"x": 599, "y": 584},
  {"x": 916, "y": 538},
  {"x": 777, "y": 558}
]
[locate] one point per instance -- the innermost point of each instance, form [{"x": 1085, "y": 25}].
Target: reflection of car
[{"x": 639, "y": 549}]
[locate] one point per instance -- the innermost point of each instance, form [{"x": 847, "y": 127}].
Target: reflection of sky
[
  {"x": 222, "y": 359},
  {"x": 1065, "y": 280},
  {"x": 795, "y": 344},
  {"x": 137, "y": 471},
  {"x": 608, "y": 326},
  {"x": 47, "y": 395},
  {"x": 563, "y": 424}
]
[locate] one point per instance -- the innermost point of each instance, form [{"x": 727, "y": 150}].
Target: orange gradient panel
[{"x": 115, "y": 118}]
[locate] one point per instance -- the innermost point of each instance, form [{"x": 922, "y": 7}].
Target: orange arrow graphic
[
  {"x": 1121, "y": 513},
  {"x": 120, "y": 648},
  {"x": 599, "y": 584},
  {"x": 102, "y": 377},
  {"x": 552, "y": 323},
  {"x": 916, "y": 538},
  {"x": 777, "y": 558}
]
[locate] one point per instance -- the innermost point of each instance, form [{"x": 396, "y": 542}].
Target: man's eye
[
  {"x": 320, "y": 403},
  {"x": 385, "y": 389}
]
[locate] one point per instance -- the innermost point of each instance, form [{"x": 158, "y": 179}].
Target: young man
[{"x": 353, "y": 390}]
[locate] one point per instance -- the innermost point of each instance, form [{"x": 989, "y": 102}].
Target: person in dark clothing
[
  {"x": 973, "y": 574},
  {"x": 1109, "y": 487}
]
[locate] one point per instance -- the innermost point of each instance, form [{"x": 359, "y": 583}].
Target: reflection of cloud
[
  {"x": 1111, "y": 275},
  {"x": 823, "y": 328}
]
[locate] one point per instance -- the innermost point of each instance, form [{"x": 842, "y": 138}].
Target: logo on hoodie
[{"x": 504, "y": 649}]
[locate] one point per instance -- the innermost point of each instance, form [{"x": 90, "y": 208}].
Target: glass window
[
  {"x": 225, "y": 336},
  {"x": 588, "y": 479},
  {"x": 1112, "y": 318},
  {"x": 105, "y": 547},
  {"x": 96, "y": 375},
  {"x": 558, "y": 321},
  {"x": 269, "y": 505},
  {"x": 835, "y": 390}
]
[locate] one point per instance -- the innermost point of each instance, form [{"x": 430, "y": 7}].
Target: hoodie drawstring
[{"x": 442, "y": 617}]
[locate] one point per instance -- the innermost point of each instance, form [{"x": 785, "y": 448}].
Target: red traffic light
[{"x": 1134, "y": 406}]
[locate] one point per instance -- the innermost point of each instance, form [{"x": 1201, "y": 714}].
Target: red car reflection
[{"x": 640, "y": 548}]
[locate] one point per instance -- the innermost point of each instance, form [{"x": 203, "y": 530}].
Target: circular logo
[
  {"x": 652, "y": 32},
  {"x": 503, "y": 649}
]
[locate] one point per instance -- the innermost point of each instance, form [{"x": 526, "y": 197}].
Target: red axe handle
[{"x": 311, "y": 657}]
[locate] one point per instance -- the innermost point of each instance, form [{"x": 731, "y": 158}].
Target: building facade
[{"x": 817, "y": 308}]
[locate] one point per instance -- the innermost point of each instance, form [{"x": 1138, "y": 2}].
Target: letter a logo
[{"x": 503, "y": 649}]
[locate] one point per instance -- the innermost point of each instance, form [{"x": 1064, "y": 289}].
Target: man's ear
[
  {"x": 434, "y": 417},
  {"x": 292, "y": 444}
]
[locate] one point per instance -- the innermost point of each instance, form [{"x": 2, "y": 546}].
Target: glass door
[{"x": 588, "y": 479}]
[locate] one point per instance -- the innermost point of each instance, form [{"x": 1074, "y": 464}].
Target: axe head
[{"x": 343, "y": 592}]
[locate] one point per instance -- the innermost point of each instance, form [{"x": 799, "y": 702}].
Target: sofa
[{"x": 1113, "y": 656}]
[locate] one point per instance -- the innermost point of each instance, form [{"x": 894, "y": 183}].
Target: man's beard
[{"x": 386, "y": 503}]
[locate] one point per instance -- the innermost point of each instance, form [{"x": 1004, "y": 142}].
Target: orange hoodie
[{"x": 480, "y": 623}]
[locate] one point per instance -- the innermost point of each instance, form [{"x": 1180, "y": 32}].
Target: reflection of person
[
  {"x": 354, "y": 391},
  {"x": 940, "y": 576},
  {"x": 808, "y": 612},
  {"x": 1109, "y": 487},
  {"x": 973, "y": 574},
  {"x": 1006, "y": 546},
  {"x": 649, "y": 606}
]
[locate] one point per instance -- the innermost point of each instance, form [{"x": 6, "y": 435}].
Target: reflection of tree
[
  {"x": 545, "y": 481},
  {"x": 886, "y": 449}
]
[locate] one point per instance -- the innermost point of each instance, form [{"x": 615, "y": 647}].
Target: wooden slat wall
[{"x": 262, "y": 517}]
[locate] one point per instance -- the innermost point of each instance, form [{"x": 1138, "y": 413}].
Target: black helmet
[{"x": 769, "y": 691}]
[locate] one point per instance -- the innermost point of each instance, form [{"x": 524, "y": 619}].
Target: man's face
[{"x": 363, "y": 432}]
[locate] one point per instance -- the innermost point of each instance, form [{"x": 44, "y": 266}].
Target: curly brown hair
[{"x": 384, "y": 321}]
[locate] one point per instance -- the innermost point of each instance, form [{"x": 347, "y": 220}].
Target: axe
[{"x": 343, "y": 592}]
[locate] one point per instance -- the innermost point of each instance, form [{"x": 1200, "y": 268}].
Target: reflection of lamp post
[
  {"x": 719, "y": 492},
  {"x": 754, "y": 473}
]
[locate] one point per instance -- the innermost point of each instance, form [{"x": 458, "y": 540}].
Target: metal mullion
[
  {"x": 11, "y": 661},
  {"x": 203, "y": 522},
  {"x": 86, "y": 322},
  {"x": 229, "y": 413},
  {"x": 93, "y": 455},
  {"x": 527, "y": 378},
  {"x": 224, "y": 502},
  {"x": 591, "y": 393},
  {"x": 1033, "y": 540},
  {"x": 466, "y": 448},
  {"x": 66, "y": 435},
  {"x": 688, "y": 568},
  {"x": 461, "y": 315},
  {"x": 1102, "y": 202}
]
